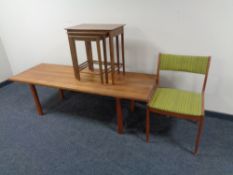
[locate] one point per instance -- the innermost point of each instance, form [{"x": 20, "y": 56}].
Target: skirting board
[
  {"x": 5, "y": 83},
  {"x": 142, "y": 105},
  {"x": 219, "y": 115}
]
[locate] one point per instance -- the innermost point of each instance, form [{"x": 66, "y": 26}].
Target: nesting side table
[{"x": 97, "y": 33}]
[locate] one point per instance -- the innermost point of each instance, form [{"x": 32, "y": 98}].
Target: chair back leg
[
  {"x": 198, "y": 136},
  {"x": 147, "y": 125}
]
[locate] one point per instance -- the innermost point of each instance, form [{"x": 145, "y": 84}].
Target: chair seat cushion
[{"x": 177, "y": 101}]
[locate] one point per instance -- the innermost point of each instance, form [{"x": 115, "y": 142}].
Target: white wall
[
  {"x": 32, "y": 32},
  {"x": 5, "y": 69}
]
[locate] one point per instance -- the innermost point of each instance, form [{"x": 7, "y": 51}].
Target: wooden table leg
[
  {"x": 61, "y": 92},
  {"x": 36, "y": 99},
  {"x": 112, "y": 58},
  {"x": 119, "y": 116},
  {"x": 132, "y": 105}
]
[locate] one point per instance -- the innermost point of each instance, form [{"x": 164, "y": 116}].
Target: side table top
[{"x": 95, "y": 27}]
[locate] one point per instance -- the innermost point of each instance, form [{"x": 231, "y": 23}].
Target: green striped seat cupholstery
[{"x": 177, "y": 101}]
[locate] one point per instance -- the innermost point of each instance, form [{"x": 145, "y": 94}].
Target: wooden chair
[{"x": 175, "y": 102}]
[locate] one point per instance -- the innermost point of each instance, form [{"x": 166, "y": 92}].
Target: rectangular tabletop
[
  {"x": 135, "y": 86},
  {"x": 95, "y": 27}
]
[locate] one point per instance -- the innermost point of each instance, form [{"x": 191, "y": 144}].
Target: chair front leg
[
  {"x": 147, "y": 124},
  {"x": 199, "y": 132}
]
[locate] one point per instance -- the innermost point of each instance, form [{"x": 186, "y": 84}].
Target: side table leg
[
  {"x": 123, "y": 51},
  {"x": 105, "y": 61},
  {"x": 100, "y": 61},
  {"x": 118, "y": 55},
  {"x": 112, "y": 58},
  {"x": 74, "y": 57},
  {"x": 89, "y": 55}
]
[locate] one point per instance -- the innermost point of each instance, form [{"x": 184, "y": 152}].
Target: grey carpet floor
[{"x": 78, "y": 136}]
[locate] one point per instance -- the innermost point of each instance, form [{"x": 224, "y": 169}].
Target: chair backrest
[
  {"x": 184, "y": 63},
  {"x": 193, "y": 64}
]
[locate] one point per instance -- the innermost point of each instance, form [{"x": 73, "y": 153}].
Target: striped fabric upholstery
[
  {"x": 194, "y": 64},
  {"x": 177, "y": 101}
]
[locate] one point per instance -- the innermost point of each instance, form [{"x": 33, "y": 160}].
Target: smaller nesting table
[{"x": 98, "y": 33}]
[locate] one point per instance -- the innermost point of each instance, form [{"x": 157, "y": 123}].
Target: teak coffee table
[
  {"x": 131, "y": 86},
  {"x": 97, "y": 33}
]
